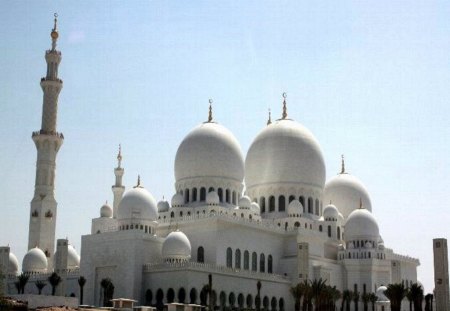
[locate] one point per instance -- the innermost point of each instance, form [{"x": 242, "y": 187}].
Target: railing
[{"x": 50, "y": 133}]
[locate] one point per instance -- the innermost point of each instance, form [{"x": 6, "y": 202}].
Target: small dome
[
  {"x": 209, "y": 150},
  {"x": 13, "y": 265},
  {"x": 163, "y": 206},
  {"x": 34, "y": 261},
  {"x": 106, "y": 211},
  {"x": 176, "y": 247},
  {"x": 295, "y": 208},
  {"x": 137, "y": 203},
  {"x": 361, "y": 225},
  {"x": 346, "y": 191},
  {"x": 245, "y": 202},
  {"x": 331, "y": 212},
  {"x": 73, "y": 259},
  {"x": 212, "y": 198},
  {"x": 254, "y": 207},
  {"x": 177, "y": 200},
  {"x": 380, "y": 294}
]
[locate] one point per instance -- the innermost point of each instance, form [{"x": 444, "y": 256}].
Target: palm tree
[
  {"x": 346, "y": 298},
  {"x": 416, "y": 293},
  {"x": 373, "y": 299},
  {"x": 54, "y": 279},
  {"x": 297, "y": 293},
  {"x": 306, "y": 288},
  {"x": 108, "y": 291},
  {"x": 355, "y": 299},
  {"x": 81, "y": 283},
  {"x": 395, "y": 293},
  {"x": 40, "y": 285},
  {"x": 410, "y": 298},
  {"x": 317, "y": 291},
  {"x": 258, "y": 297},
  {"x": 365, "y": 299},
  {"x": 23, "y": 280}
]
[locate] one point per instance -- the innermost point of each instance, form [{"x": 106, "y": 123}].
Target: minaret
[
  {"x": 118, "y": 188},
  {"x": 47, "y": 141}
]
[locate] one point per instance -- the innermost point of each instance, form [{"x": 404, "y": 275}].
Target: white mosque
[{"x": 270, "y": 218}]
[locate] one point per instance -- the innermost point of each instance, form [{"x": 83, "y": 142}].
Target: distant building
[{"x": 441, "y": 286}]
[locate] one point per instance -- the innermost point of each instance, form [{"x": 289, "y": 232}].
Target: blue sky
[{"x": 369, "y": 78}]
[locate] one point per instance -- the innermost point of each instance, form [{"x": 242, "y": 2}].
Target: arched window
[
  {"x": 200, "y": 254},
  {"x": 159, "y": 297},
  {"x": 246, "y": 260},
  {"x": 262, "y": 263},
  {"x": 310, "y": 205},
  {"x": 229, "y": 257},
  {"x": 237, "y": 259},
  {"x": 262, "y": 204},
  {"x": 227, "y": 195},
  {"x": 202, "y": 194},
  {"x": 254, "y": 262},
  {"x": 211, "y": 189},
  {"x": 186, "y": 196},
  {"x": 273, "y": 303},
  {"x": 281, "y": 304},
  {"x": 249, "y": 301},
  {"x": 317, "y": 206},
  {"x": 291, "y": 198},
  {"x": 181, "y": 295},
  {"x": 329, "y": 231},
  {"x": 220, "y": 193},
  {"x": 271, "y": 203},
  {"x": 266, "y": 303},
  {"x": 281, "y": 203},
  {"x": 232, "y": 300},
  {"x": 338, "y": 233},
  {"x": 193, "y": 296},
  {"x": 233, "y": 201},
  {"x": 222, "y": 299},
  {"x": 320, "y": 228},
  {"x": 203, "y": 297},
  {"x": 170, "y": 295},
  {"x": 240, "y": 301},
  {"x": 194, "y": 194},
  {"x": 269, "y": 264},
  {"x": 302, "y": 200},
  {"x": 297, "y": 224},
  {"x": 148, "y": 297},
  {"x": 172, "y": 215}
]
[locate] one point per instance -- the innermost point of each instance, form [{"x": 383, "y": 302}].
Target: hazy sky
[{"x": 370, "y": 79}]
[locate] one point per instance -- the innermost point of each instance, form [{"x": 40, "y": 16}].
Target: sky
[{"x": 370, "y": 79}]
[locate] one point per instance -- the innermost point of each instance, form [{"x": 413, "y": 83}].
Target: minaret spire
[
  {"x": 118, "y": 189},
  {"x": 210, "y": 115},
  {"x": 342, "y": 164},
  {"x": 269, "y": 121},
  {"x": 47, "y": 141},
  {"x": 284, "y": 115}
]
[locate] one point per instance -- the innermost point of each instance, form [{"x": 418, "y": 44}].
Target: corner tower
[{"x": 47, "y": 141}]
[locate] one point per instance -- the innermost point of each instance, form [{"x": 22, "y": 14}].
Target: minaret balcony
[
  {"x": 44, "y": 79},
  {"x": 48, "y": 133}
]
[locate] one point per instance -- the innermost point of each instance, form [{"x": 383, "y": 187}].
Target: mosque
[{"x": 270, "y": 218}]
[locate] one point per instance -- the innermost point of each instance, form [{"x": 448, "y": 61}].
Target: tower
[
  {"x": 47, "y": 141},
  {"x": 441, "y": 285},
  {"x": 118, "y": 188}
]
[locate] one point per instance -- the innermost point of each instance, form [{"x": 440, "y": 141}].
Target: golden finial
[
  {"x": 138, "y": 182},
  {"x": 342, "y": 164},
  {"x": 284, "y": 115},
  {"x": 54, "y": 34},
  {"x": 269, "y": 121},
  {"x": 210, "y": 117},
  {"x": 119, "y": 156}
]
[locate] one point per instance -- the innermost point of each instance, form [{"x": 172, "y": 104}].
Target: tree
[
  {"x": 355, "y": 299},
  {"x": 346, "y": 294},
  {"x": 317, "y": 293},
  {"x": 297, "y": 293},
  {"x": 365, "y": 299},
  {"x": 416, "y": 293},
  {"x": 81, "y": 283},
  {"x": 428, "y": 298},
  {"x": 23, "y": 280},
  {"x": 40, "y": 285},
  {"x": 373, "y": 299},
  {"x": 108, "y": 291},
  {"x": 54, "y": 279},
  {"x": 395, "y": 293},
  {"x": 410, "y": 298}
]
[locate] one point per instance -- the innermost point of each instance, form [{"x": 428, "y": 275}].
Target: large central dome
[
  {"x": 209, "y": 150},
  {"x": 285, "y": 152}
]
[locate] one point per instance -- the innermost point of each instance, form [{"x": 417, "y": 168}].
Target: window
[
  {"x": 310, "y": 205},
  {"x": 271, "y": 204},
  {"x": 229, "y": 257},
  {"x": 302, "y": 200},
  {"x": 237, "y": 259},
  {"x": 194, "y": 194},
  {"x": 338, "y": 233},
  {"x": 254, "y": 261},
  {"x": 234, "y": 198},
  {"x": 262, "y": 204},
  {"x": 281, "y": 203},
  {"x": 200, "y": 254},
  {"x": 246, "y": 260},
  {"x": 186, "y": 196},
  {"x": 269, "y": 264},
  {"x": 291, "y": 198},
  {"x": 438, "y": 244},
  {"x": 220, "y": 193},
  {"x": 317, "y": 206},
  {"x": 202, "y": 194},
  {"x": 211, "y": 189},
  {"x": 320, "y": 228},
  {"x": 262, "y": 263},
  {"x": 227, "y": 195},
  {"x": 329, "y": 231}
]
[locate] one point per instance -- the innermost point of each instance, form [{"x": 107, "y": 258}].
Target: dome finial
[
  {"x": 269, "y": 121},
  {"x": 54, "y": 34},
  {"x": 342, "y": 164},
  {"x": 360, "y": 203},
  {"x": 138, "y": 182},
  {"x": 119, "y": 156},
  {"x": 210, "y": 116},
  {"x": 284, "y": 115}
]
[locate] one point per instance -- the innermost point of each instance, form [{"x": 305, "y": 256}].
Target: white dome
[
  {"x": 331, "y": 212},
  {"x": 106, "y": 211},
  {"x": 380, "y": 294},
  {"x": 284, "y": 152},
  {"x": 176, "y": 247},
  {"x": 361, "y": 225},
  {"x": 209, "y": 150},
  {"x": 163, "y": 206},
  {"x": 177, "y": 200},
  {"x": 34, "y": 261},
  {"x": 212, "y": 198},
  {"x": 295, "y": 208},
  {"x": 245, "y": 202},
  {"x": 137, "y": 203},
  {"x": 254, "y": 207},
  {"x": 73, "y": 259},
  {"x": 346, "y": 191},
  {"x": 13, "y": 265}
]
